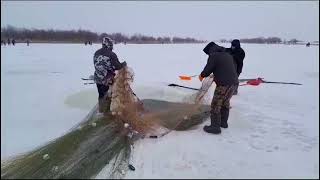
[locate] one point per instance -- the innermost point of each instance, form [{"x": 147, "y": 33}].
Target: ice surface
[{"x": 273, "y": 129}]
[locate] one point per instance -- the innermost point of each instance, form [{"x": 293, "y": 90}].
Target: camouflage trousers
[{"x": 221, "y": 97}]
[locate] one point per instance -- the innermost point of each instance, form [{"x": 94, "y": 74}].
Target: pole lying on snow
[
  {"x": 187, "y": 78},
  {"x": 282, "y": 82},
  {"x": 88, "y": 79},
  {"x": 85, "y": 79},
  {"x": 252, "y": 82},
  {"x": 258, "y": 81},
  {"x": 176, "y": 85}
]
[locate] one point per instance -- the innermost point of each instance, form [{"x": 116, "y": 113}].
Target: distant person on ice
[
  {"x": 221, "y": 64},
  {"x": 106, "y": 63},
  {"x": 238, "y": 56}
]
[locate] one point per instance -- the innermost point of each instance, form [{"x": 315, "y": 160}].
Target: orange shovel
[{"x": 187, "y": 78}]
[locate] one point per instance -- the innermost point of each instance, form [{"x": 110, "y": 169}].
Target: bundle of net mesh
[
  {"x": 97, "y": 143},
  {"x": 129, "y": 109}
]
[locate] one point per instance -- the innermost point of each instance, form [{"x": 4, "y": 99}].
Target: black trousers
[{"x": 102, "y": 90}]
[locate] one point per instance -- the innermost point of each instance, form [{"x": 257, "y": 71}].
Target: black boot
[
  {"x": 214, "y": 128},
  {"x": 235, "y": 92},
  {"x": 107, "y": 105},
  {"x": 101, "y": 103},
  {"x": 224, "y": 117}
]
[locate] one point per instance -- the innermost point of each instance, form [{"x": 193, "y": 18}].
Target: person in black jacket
[
  {"x": 221, "y": 64},
  {"x": 238, "y": 56},
  {"x": 106, "y": 63}
]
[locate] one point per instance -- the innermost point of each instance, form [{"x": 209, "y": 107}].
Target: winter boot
[
  {"x": 235, "y": 92},
  {"x": 100, "y": 108},
  {"x": 214, "y": 128},
  {"x": 100, "y": 105},
  {"x": 107, "y": 104},
  {"x": 224, "y": 117}
]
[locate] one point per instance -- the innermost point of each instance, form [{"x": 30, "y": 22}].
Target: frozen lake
[{"x": 273, "y": 133}]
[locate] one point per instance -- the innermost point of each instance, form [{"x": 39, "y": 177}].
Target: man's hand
[
  {"x": 124, "y": 64},
  {"x": 201, "y": 78}
]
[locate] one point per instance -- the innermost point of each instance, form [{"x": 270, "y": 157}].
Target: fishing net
[
  {"x": 201, "y": 95},
  {"x": 127, "y": 107},
  {"x": 81, "y": 153},
  {"x": 105, "y": 143},
  {"x": 195, "y": 111}
]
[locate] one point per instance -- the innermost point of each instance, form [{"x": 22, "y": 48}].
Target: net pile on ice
[
  {"x": 81, "y": 153},
  {"x": 98, "y": 144},
  {"x": 195, "y": 111},
  {"x": 126, "y": 106}
]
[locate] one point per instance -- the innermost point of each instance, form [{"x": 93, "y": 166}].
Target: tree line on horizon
[
  {"x": 84, "y": 36},
  {"x": 81, "y": 36},
  {"x": 268, "y": 40}
]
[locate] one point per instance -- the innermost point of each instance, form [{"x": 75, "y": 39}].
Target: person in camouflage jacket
[
  {"x": 105, "y": 63},
  {"x": 221, "y": 65}
]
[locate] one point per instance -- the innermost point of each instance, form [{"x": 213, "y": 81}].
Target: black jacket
[
  {"x": 238, "y": 55},
  {"x": 221, "y": 64}
]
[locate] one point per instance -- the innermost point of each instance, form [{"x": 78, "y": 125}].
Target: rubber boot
[
  {"x": 224, "y": 117},
  {"x": 107, "y": 104},
  {"x": 214, "y": 128},
  {"x": 235, "y": 92},
  {"x": 100, "y": 105},
  {"x": 100, "y": 108}
]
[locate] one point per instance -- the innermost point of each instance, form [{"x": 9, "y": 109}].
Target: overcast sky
[{"x": 206, "y": 20}]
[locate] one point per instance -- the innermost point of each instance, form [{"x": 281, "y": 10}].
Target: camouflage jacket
[{"x": 105, "y": 63}]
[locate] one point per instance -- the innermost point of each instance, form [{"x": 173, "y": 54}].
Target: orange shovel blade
[{"x": 185, "y": 77}]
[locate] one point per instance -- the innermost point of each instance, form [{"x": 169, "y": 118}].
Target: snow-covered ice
[{"x": 273, "y": 129}]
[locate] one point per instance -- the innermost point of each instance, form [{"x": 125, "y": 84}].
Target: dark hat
[
  {"x": 208, "y": 46},
  {"x": 213, "y": 47},
  {"x": 235, "y": 43}
]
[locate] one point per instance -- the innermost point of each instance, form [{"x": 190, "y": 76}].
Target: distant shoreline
[
  {"x": 68, "y": 42},
  {"x": 21, "y": 35}
]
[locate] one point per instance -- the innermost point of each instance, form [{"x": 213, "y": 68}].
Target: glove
[
  {"x": 201, "y": 78},
  {"x": 124, "y": 64}
]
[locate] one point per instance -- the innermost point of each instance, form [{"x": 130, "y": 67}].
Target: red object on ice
[
  {"x": 185, "y": 77},
  {"x": 255, "y": 82}
]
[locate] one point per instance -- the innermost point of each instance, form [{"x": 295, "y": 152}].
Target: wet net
[
  {"x": 104, "y": 144},
  {"x": 127, "y": 106}
]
